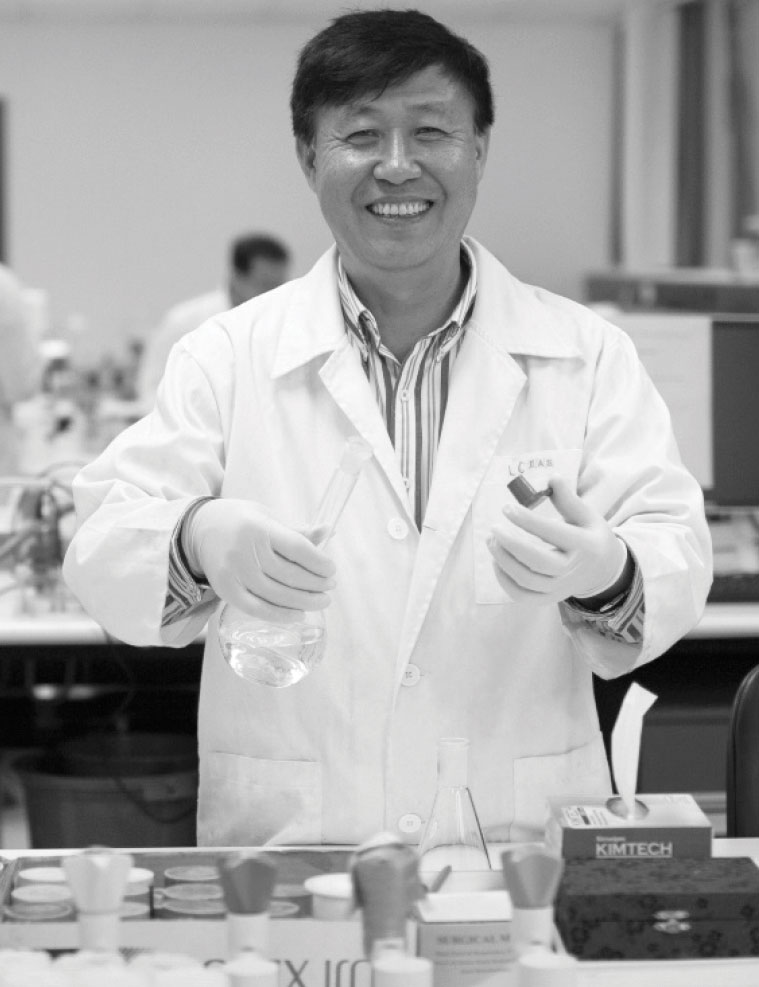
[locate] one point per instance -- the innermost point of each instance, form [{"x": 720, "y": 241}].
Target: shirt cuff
[
  {"x": 621, "y": 618},
  {"x": 184, "y": 592}
]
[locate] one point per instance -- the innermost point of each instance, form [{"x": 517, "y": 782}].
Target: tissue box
[
  {"x": 672, "y": 826},
  {"x": 659, "y": 909}
]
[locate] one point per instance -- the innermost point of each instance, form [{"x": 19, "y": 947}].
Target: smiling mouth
[{"x": 394, "y": 210}]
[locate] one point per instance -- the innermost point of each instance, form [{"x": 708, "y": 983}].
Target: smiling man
[{"x": 525, "y": 520}]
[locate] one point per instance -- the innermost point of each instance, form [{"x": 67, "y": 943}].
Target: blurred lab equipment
[
  {"x": 32, "y": 542},
  {"x": 282, "y": 653}
]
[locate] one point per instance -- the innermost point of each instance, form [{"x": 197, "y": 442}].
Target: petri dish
[
  {"x": 34, "y": 894},
  {"x": 197, "y": 908},
  {"x": 41, "y": 875},
  {"x": 38, "y": 912},
  {"x": 191, "y": 874},
  {"x": 193, "y": 891}
]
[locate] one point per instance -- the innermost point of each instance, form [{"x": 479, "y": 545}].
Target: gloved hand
[
  {"x": 539, "y": 559},
  {"x": 256, "y": 563}
]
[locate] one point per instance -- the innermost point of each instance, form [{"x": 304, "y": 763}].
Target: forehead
[{"x": 430, "y": 91}]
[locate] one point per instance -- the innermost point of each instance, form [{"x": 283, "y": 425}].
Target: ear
[
  {"x": 306, "y": 158},
  {"x": 481, "y": 146}
]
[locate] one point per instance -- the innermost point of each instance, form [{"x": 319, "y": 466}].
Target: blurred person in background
[
  {"x": 20, "y": 365},
  {"x": 257, "y": 263}
]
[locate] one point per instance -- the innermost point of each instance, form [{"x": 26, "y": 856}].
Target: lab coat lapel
[
  {"x": 509, "y": 318},
  {"x": 313, "y": 327},
  {"x": 346, "y": 381},
  {"x": 484, "y": 388}
]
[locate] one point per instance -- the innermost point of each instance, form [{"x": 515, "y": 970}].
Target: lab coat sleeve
[
  {"x": 129, "y": 500},
  {"x": 632, "y": 472}
]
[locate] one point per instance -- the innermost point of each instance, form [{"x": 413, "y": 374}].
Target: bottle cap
[
  {"x": 247, "y": 881},
  {"x": 386, "y": 883},
  {"x": 547, "y": 969},
  {"x": 531, "y": 876},
  {"x": 251, "y": 970},
  {"x": 400, "y": 970}
]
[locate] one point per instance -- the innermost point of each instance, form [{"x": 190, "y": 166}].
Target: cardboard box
[
  {"x": 465, "y": 930},
  {"x": 670, "y": 826},
  {"x": 659, "y": 909}
]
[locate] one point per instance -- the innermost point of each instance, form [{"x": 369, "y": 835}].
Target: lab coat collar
[
  {"x": 517, "y": 318},
  {"x": 313, "y": 323},
  {"x": 512, "y": 316}
]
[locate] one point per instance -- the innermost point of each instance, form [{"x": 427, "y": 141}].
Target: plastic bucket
[{"x": 123, "y": 801}]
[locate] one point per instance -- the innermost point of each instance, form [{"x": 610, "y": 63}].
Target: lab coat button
[
  {"x": 411, "y": 676},
  {"x": 397, "y": 528},
  {"x": 410, "y": 823}
]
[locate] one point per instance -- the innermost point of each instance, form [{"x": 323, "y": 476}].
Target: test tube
[{"x": 355, "y": 455}]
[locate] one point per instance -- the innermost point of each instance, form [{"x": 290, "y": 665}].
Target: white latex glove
[
  {"x": 540, "y": 559},
  {"x": 256, "y": 563}
]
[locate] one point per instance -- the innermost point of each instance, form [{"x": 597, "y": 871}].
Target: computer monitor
[
  {"x": 735, "y": 412},
  {"x": 706, "y": 367}
]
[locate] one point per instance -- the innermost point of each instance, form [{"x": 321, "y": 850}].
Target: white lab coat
[{"x": 422, "y": 642}]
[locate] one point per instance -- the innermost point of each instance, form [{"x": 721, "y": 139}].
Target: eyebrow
[{"x": 429, "y": 105}]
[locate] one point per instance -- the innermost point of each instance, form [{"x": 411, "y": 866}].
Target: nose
[{"x": 397, "y": 162}]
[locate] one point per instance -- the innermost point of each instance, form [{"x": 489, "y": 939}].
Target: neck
[{"x": 407, "y": 306}]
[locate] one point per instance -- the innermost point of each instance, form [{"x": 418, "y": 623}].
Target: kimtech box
[{"x": 664, "y": 826}]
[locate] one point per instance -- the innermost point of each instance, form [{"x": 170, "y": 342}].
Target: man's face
[
  {"x": 396, "y": 176},
  {"x": 262, "y": 275}
]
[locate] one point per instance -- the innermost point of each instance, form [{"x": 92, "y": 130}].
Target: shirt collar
[{"x": 360, "y": 321}]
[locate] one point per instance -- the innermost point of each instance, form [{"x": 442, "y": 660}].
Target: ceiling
[{"x": 279, "y": 10}]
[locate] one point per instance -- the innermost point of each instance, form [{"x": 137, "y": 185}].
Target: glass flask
[
  {"x": 281, "y": 653},
  {"x": 452, "y": 836}
]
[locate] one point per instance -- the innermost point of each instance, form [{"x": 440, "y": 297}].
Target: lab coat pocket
[
  {"x": 536, "y": 467},
  {"x": 580, "y": 771},
  {"x": 252, "y": 801}
]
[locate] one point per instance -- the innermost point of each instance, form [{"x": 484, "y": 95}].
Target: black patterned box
[{"x": 659, "y": 909}]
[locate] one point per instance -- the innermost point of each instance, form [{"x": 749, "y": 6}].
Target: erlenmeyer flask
[{"x": 452, "y": 836}]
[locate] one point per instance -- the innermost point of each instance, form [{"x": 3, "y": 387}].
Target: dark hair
[
  {"x": 247, "y": 249},
  {"x": 361, "y": 54}
]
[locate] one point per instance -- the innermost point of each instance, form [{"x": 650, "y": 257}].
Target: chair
[{"x": 742, "y": 782}]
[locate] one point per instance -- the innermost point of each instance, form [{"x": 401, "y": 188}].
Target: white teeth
[{"x": 400, "y": 208}]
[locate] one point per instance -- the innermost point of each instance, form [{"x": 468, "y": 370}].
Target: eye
[
  {"x": 361, "y": 137},
  {"x": 429, "y": 132}
]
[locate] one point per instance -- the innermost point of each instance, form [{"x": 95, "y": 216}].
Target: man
[
  {"x": 451, "y": 610},
  {"x": 257, "y": 263}
]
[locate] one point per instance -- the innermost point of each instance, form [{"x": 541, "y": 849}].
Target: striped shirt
[{"x": 412, "y": 396}]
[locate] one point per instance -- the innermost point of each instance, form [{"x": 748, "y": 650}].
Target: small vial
[{"x": 526, "y": 494}]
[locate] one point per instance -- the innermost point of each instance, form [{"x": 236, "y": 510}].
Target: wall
[{"x": 135, "y": 149}]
